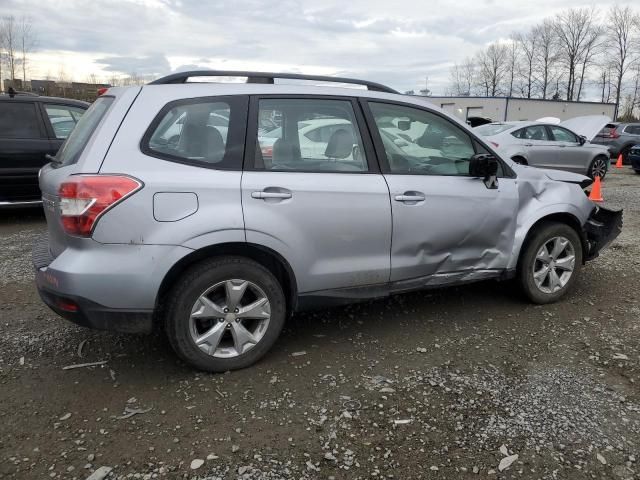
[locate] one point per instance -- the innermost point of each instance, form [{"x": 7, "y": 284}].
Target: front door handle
[
  {"x": 528, "y": 144},
  {"x": 410, "y": 197},
  {"x": 277, "y": 195}
]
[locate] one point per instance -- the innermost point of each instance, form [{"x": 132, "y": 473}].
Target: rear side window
[
  {"x": 73, "y": 146},
  {"x": 208, "y": 132},
  {"x": 632, "y": 129},
  {"x": 18, "y": 120},
  {"x": 63, "y": 119}
]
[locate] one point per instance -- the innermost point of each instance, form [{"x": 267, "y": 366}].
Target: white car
[{"x": 562, "y": 146}]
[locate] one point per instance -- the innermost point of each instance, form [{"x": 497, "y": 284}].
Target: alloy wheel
[
  {"x": 599, "y": 168},
  {"x": 554, "y": 265},
  {"x": 229, "y": 318}
]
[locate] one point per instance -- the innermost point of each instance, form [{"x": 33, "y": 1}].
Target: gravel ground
[{"x": 468, "y": 382}]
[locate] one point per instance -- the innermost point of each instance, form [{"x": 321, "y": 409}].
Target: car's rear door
[
  {"x": 447, "y": 225},
  {"x": 571, "y": 154},
  {"x": 327, "y": 213},
  {"x": 23, "y": 146},
  {"x": 538, "y": 146}
]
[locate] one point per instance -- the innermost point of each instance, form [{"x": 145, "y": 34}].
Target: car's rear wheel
[
  {"x": 599, "y": 167},
  {"x": 550, "y": 262},
  {"x": 225, "y": 314}
]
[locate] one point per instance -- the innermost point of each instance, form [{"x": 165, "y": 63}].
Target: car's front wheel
[
  {"x": 550, "y": 262},
  {"x": 598, "y": 167},
  {"x": 225, "y": 314}
]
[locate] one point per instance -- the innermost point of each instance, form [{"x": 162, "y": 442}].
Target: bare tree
[
  {"x": 622, "y": 31},
  {"x": 604, "y": 83},
  {"x": 9, "y": 42},
  {"x": 574, "y": 30},
  {"x": 511, "y": 49},
  {"x": 592, "y": 47},
  {"x": 462, "y": 78},
  {"x": 492, "y": 68},
  {"x": 26, "y": 43},
  {"x": 527, "y": 46},
  {"x": 546, "y": 55}
]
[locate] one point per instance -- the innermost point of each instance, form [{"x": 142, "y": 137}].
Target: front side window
[
  {"x": 195, "y": 132},
  {"x": 420, "y": 142},
  {"x": 63, "y": 119},
  {"x": 632, "y": 129},
  {"x": 315, "y": 135},
  {"x": 563, "y": 135},
  {"x": 18, "y": 120}
]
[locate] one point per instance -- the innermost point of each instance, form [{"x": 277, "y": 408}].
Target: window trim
[
  {"x": 373, "y": 166},
  {"x": 51, "y": 132},
  {"x": 507, "y": 171},
  {"x": 235, "y": 144},
  {"x": 553, "y": 137}
]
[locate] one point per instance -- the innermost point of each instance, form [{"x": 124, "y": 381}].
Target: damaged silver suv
[{"x": 215, "y": 210}]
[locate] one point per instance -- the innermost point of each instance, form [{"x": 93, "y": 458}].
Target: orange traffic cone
[
  {"x": 619, "y": 162},
  {"x": 596, "y": 191}
]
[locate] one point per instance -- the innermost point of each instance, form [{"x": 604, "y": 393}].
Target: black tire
[
  {"x": 599, "y": 162},
  {"x": 542, "y": 235},
  {"x": 197, "y": 280},
  {"x": 520, "y": 160}
]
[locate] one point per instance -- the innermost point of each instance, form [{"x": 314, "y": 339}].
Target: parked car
[
  {"x": 619, "y": 138},
  {"x": 31, "y": 127},
  {"x": 565, "y": 146},
  {"x": 206, "y": 239},
  {"x": 634, "y": 158}
]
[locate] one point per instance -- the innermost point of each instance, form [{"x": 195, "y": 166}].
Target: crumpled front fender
[{"x": 601, "y": 228}]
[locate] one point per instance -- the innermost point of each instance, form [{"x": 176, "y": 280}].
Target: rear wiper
[{"x": 52, "y": 159}]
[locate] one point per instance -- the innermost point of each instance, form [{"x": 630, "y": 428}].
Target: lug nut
[
  {"x": 226, "y": 310},
  {"x": 236, "y": 310}
]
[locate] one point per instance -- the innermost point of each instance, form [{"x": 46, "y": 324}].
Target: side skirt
[{"x": 346, "y": 296}]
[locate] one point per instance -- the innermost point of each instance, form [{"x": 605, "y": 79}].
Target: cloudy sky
[{"x": 399, "y": 43}]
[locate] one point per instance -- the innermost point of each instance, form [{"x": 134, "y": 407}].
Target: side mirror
[
  {"x": 485, "y": 166},
  {"x": 582, "y": 139}
]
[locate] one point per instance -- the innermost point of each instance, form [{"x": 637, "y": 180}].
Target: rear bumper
[
  {"x": 89, "y": 314},
  {"x": 602, "y": 227},
  {"x": 106, "y": 287}
]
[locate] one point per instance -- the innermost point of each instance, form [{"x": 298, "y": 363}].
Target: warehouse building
[{"x": 499, "y": 109}]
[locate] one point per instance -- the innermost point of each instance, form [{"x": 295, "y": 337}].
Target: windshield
[
  {"x": 492, "y": 129},
  {"x": 79, "y": 137}
]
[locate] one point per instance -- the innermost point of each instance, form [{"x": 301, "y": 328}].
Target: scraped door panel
[{"x": 461, "y": 225}]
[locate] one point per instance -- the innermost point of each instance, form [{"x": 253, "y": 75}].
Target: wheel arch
[
  {"x": 268, "y": 258},
  {"x": 565, "y": 218}
]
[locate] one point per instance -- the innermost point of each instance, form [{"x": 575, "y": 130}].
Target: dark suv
[
  {"x": 619, "y": 138},
  {"x": 31, "y": 127}
]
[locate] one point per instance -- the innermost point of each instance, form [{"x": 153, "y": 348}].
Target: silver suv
[{"x": 215, "y": 210}]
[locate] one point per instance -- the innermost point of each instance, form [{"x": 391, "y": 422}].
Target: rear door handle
[
  {"x": 277, "y": 195},
  {"x": 528, "y": 144},
  {"x": 410, "y": 197}
]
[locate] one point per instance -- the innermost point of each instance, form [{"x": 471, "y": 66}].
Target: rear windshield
[
  {"x": 73, "y": 146},
  {"x": 492, "y": 129}
]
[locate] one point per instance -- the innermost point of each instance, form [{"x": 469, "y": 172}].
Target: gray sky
[{"x": 394, "y": 42}]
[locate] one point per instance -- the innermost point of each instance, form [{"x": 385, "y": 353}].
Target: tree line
[{"x": 561, "y": 58}]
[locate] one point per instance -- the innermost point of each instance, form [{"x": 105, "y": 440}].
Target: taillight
[
  {"x": 267, "y": 151},
  {"x": 494, "y": 144},
  {"x": 614, "y": 134},
  {"x": 102, "y": 91},
  {"x": 84, "y": 198}
]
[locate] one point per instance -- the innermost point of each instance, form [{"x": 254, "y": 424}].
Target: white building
[{"x": 500, "y": 109}]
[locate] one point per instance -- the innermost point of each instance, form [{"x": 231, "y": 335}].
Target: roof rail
[{"x": 267, "y": 78}]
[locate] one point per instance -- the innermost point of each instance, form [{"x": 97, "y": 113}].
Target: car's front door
[
  {"x": 60, "y": 121},
  {"x": 327, "y": 213},
  {"x": 571, "y": 155},
  {"x": 447, "y": 225}
]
